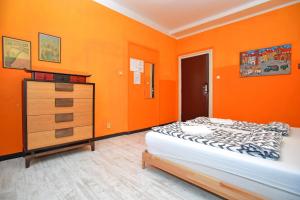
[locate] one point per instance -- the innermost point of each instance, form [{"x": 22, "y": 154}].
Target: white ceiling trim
[
  {"x": 133, "y": 15},
  {"x": 219, "y": 15},
  {"x": 238, "y": 19}
]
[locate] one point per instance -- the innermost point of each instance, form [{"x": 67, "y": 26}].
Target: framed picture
[
  {"x": 266, "y": 61},
  {"x": 49, "y": 48},
  {"x": 16, "y": 53}
]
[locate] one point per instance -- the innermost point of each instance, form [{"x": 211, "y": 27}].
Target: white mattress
[{"x": 274, "y": 179}]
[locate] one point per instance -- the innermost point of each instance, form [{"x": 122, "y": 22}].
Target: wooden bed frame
[{"x": 206, "y": 182}]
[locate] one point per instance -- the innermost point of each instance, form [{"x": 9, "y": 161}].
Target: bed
[{"x": 225, "y": 173}]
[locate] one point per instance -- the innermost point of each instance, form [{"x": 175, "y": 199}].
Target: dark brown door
[{"x": 194, "y": 87}]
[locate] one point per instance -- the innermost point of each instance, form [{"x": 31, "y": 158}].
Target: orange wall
[
  {"x": 258, "y": 99},
  {"x": 95, "y": 39},
  {"x": 98, "y": 40},
  {"x": 143, "y": 112}
]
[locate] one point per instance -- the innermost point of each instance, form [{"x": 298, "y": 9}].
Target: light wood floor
[{"x": 112, "y": 172}]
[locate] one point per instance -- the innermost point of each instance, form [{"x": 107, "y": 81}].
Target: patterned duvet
[{"x": 259, "y": 140}]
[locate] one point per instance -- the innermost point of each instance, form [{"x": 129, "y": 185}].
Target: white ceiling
[{"x": 181, "y": 18}]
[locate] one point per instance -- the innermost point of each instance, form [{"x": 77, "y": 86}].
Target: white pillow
[
  {"x": 221, "y": 121},
  {"x": 196, "y": 130}
]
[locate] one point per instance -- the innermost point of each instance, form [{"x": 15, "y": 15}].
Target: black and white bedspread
[
  {"x": 242, "y": 137},
  {"x": 278, "y": 127}
]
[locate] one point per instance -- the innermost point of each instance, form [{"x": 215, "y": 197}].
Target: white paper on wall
[
  {"x": 136, "y": 78},
  {"x": 133, "y": 64},
  {"x": 141, "y": 66},
  {"x": 136, "y": 65}
]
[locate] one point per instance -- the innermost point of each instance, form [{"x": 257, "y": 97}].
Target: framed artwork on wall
[
  {"x": 49, "y": 48},
  {"x": 16, "y": 53},
  {"x": 266, "y": 61}
]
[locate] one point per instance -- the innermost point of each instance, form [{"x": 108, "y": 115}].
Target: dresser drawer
[
  {"x": 38, "y": 123},
  {"x": 45, "y": 90},
  {"x": 56, "y": 137},
  {"x": 49, "y": 106}
]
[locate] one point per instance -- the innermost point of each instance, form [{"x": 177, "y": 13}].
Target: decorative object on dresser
[{"x": 58, "y": 113}]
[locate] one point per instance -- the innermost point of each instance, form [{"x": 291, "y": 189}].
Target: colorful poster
[
  {"x": 16, "y": 53},
  {"x": 49, "y": 48},
  {"x": 267, "y": 61}
]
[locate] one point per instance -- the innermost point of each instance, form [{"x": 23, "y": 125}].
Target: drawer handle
[
  {"x": 67, "y": 87},
  {"x": 64, "y": 132},
  {"x": 63, "y": 102},
  {"x": 64, "y": 117}
]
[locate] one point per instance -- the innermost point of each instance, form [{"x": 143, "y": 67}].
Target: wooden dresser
[{"x": 57, "y": 116}]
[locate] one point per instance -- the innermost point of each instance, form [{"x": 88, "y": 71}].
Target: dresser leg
[
  {"x": 92, "y": 145},
  {"x": 27, "y": 162}
]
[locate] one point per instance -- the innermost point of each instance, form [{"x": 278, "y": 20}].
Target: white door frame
[{"x": 210, "y": 90}]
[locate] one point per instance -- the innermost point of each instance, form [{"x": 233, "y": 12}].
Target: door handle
[{"x": 205, "y": 89}]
